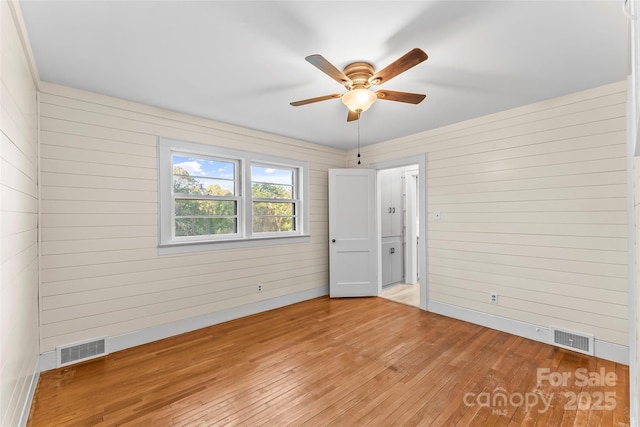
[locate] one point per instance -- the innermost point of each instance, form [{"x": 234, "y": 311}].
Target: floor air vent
[
  {"x": 81, "y": 351},
  {"x": 579, "y": 342}
]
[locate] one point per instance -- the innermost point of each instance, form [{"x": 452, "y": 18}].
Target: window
[
  {"x": 215, "y": 195},
  {"x": 274, "y": 196},
  {"x": 205, "y": 196}
]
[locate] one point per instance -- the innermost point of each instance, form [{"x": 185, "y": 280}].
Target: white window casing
[{"x": 293, "y": 192}]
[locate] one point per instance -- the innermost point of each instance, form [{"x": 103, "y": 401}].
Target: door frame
[
  {"x": 411, "y": 259},
  {"x": 421, "y": 161}
]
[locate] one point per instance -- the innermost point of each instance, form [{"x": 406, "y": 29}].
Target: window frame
[
  {"x": 168, "y": 243},
  {"x": 237, "y": 189},
  {"x": 295, "y": 200}
]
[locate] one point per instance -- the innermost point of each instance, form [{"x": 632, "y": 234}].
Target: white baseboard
[
  {"x": 120, "y": 342},
  {"x": 26, "y": 409},
  {"x": 603, "y": 349}
]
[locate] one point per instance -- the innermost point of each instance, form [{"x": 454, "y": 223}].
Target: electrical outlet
[
  {"x": 259, "y": 287},
  {"x": 493, "y": 297}
]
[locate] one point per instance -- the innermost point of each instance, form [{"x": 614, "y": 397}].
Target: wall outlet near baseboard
[
  {"x": 259, "y": 288},
  {"x": 493, "y": 297}
]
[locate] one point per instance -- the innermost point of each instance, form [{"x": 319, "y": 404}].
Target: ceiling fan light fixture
[
  {"x": 358, "y": 77},
  {"x": 359, "y": 100}
]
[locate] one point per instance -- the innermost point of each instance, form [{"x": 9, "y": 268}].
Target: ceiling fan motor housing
[{"x": 359, "y": 73}]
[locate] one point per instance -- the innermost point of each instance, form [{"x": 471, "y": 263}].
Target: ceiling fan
[{"x": 358, "y": 77}]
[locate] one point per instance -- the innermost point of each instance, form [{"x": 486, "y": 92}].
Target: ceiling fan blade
[
  {"x": 318, "y": 99},
  {"x": 353, "y": 116},
  {"x": 329, "y": 69},
  {"x": 408, "y": 60},
  {"x": 391, "y": 95}
]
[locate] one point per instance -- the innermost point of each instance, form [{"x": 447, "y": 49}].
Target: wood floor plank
[{"x": 343, "y": 362}]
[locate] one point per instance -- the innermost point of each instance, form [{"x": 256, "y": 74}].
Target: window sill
[{"x": 190, "y": 247}]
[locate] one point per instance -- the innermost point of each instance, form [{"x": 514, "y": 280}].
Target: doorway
[
  {"x": 404, "y": 278},
  {"x": 399, "y": 234}
]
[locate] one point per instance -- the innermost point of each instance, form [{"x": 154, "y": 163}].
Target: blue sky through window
[
  {"x": 205, "y": 168},
  {"x": 271, "y": 175},
  {"x": 219, "y": 169}
]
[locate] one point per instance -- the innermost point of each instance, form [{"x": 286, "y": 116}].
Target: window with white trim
[
  {"x": 274, "y": 194},
  {"x": 217, "y": 195},
  {"x": 205, "y": 197}
]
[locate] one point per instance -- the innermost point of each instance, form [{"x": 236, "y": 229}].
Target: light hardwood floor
[
  {"x": 343, "y": 362},
  {"x": 403, "y": 293}
]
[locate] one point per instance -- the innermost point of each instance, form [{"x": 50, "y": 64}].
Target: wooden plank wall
[
  {"x": 100, "y": 269},
  {"x": 533, "y": 204},
  {"x": 18, "y": 223}
]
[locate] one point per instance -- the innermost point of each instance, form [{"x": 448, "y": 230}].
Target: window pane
[
  {"x": 192, "y": 175},
  {"x": 273, "y": 224},
  {"x": 205, "y": 207},
  {"x": 273, "y": 217},
  {"x": 272, "y": 209},
  {"x": 205, "y": 226},
  {"x": 271, "y": 191},
  {"x": 271, "y": 175}
]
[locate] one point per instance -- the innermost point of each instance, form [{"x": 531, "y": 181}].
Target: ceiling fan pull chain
[{"x": 358, "y": 137}]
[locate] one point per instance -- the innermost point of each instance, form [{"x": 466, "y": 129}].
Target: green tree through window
[
  {"x": 270, "y": 216},
  {"x": 196, "y": 216},
  {"x": 274, "y": 205},
  {"x": 222, "y": 197}
]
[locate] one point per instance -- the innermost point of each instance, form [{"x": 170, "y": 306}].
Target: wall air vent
[
  {"x": 81, "y": 351},
  {"x": 580, "y": 342}
]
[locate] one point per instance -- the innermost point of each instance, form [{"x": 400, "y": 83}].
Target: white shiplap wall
[
  {"x": 533, "y": 204},
  {"x": 100, "y": 269},
  {"x": 18, "y": 223}
]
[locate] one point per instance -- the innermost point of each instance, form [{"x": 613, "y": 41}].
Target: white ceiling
[{"x": 242, "y": 62}]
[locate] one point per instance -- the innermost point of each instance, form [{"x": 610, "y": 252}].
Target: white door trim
[
  {"x": 411, "y": 233},
  {"x": 421, "y": 161}
]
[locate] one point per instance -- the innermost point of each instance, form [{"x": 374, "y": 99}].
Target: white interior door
[{"x": 353, "y": 236}]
